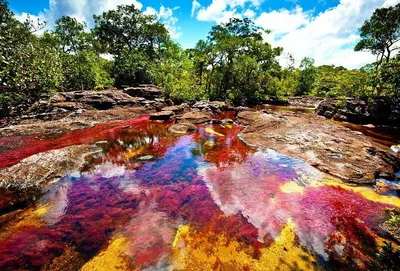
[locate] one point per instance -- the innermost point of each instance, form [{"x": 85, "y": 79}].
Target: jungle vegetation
[{"x": 234, "y": 63}]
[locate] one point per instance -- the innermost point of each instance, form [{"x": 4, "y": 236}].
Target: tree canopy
[{"x": 234, "y": 62}]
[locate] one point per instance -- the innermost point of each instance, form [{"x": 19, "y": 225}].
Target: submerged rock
[{"x": 331, "y": 148}]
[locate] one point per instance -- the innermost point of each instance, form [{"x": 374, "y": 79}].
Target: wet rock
[
  {"x": 195, "y": 117},
  {"x": 149, "y": 92},
  {"x": 163, "y": 115},
  {"x": 227, "y": 121},
  {"x": 43, "y": 167},
  {"x": 28, "y": 176},
  {"x": 259, "y": 119},
  {"x": 354, "y": 159},
  {"x": 182, "y": 128},
  {"x": 145, "y": 158}
]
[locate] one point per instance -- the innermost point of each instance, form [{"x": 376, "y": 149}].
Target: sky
[{"x": 325, "y": 30}]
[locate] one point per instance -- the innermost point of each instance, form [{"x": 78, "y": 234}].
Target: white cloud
[
  {"x": 82, "y": 10},
  {"x": 249, "y": 13},
  {"x": 166, "y": 16},
  {"x": 195, "y": 7},
  {"x": 283, "y": 21},
  {"x": 329, "y": 37},
  {"x": 219, "y": 10}
]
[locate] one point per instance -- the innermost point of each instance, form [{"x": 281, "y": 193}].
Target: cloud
[
  {"x": 249, "y": 13},
  {"x": 166, "y": 16},
  {"x": 283, "y": 21},
  {"x": 82, "y": 10},
  {"x": 329, "y": 37},
  {"x": 195, "y": 7},
  {"x": 219, "y": 10}
]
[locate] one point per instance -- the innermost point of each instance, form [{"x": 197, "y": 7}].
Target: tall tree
[
  {"x": 380, "y": 33},
  {"x": 128, "y": 29},
  {"x": 307, "y": 76},
  {"x": 134, "y": 40}
]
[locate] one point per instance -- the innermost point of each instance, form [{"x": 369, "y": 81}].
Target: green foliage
[
  {"x": 307, "y": 76},
  {"x": 175, "y": 73},
  {"x": 82, "y": 67},
  {"x": 381, "y": 32},
  {"x": 331, "y": 81},
  {"x": 235, "y": 63},
  {"x": 128, "y": 29},
  {"x": 134, "y": 40}
]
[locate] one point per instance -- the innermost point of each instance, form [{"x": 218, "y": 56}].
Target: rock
[
  {"x": 145, "y": 158},
  {"x": 395, "y": 148},
  {"x": 247, "y": 117},
  {"x": 354, "y": 159},
  {"x": 214, "y": 106},
  {"x": 381, "y": 111},
  {"x": 244, "y": 108},
  {"x": 71, "y": 106},
  {"x": 163, "y": 115},
  {"x": 182, "y": 128},
  {"x": 305, "y": 101},
  {"x": 28, "y": 176},
  {"x": 43, "y": 167},
  {"x": 177, "y": 108},
  {"x": 149, "y": 92},
  {"x": 195, "y": 117},
  {"x": 227, "y": 121}
]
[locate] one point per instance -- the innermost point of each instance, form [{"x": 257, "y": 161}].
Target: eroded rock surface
[
  {"x": 334, "y": 149},
  {"x": 163, "y": 115},
  {"x": 149, "y": 92},
  {"x": 27, "y": 178},
  {"x": 379, "y": 112},
  {"x": 43, "y": 167},
  {"x": 195, "y": 117}
]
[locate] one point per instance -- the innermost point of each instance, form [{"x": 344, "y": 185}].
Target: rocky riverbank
[
  {"x": 334, "y": 149},
  {"x": 381, "y": 111}
]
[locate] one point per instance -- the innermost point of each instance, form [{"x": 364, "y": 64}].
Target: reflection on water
[
  {"x": 387, "y": 136},
  {"x": 202, "y": 201}
]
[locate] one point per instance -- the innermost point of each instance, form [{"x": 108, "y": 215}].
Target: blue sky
[{"x": 325, "y": 30}]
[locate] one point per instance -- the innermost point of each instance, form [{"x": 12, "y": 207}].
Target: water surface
[{"x": 151, "y": 200}]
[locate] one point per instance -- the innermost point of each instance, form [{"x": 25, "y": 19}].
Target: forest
[{"x": 234, "y": 63}]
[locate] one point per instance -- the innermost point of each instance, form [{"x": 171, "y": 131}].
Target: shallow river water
[{"x": 151, "y": 200}]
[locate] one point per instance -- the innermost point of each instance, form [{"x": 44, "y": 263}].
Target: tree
[
  {"x": 307, "y": 76},
  {"x": 82, "y": 67},
  {"x": 128, "y": 29},
  {"x": 71, "y": 35},
  {"x": 380, "y": 33},
  {"x": 236, "y": 62},
  {"x": 135, "y": 41}
]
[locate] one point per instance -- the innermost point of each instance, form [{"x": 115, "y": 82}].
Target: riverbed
[{"x": 148, "y": 199}]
